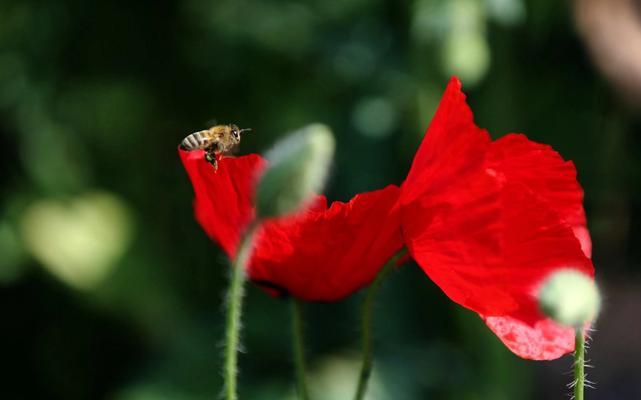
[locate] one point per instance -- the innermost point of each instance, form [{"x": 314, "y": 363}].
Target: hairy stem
[
  {"x": 579, "y": 364},
  {"x": 234, "y": 310},
  {"x": 299, "y": 351},
  {"x": 366, "y": 324}
]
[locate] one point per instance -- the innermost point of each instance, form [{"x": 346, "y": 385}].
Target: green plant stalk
[
  {"x": 299, "y": 351},
  {"x": 366, "y": 324},
  {"x": 234, "y": 310},
  {"x": 579, "y": 364}
]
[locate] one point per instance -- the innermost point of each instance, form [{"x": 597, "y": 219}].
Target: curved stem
[
  {"x": 366, "y": 324},
  {"x": 234, "y": 311},
  {"x": 299, "y": 351},
  {"x": 579, "y": 363}
]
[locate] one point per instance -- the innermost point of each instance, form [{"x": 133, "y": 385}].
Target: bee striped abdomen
[{"x": 195, "y": 141}]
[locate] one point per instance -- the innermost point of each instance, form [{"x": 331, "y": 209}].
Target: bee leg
[{"x": 210, "y": 156}]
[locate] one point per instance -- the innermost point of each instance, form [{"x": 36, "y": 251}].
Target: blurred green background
[{"x": 110, "y": 290}]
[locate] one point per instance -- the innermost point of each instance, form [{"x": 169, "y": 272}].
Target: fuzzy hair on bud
[
  {"x": 298, "y": 168},
  {"x": 570, "y": 298}
]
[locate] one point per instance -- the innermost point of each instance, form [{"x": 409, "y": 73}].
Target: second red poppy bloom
[{"x": 488, "y": 221}]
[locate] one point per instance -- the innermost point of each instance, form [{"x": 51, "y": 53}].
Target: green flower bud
[
  {"x": 570, "y": 298},
  {"x": 298, "y": 167}
]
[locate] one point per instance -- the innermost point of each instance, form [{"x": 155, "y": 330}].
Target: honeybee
[{"x": 219, "y": 139}]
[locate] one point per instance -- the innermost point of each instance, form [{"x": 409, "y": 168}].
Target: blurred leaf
[{"x": 79, "y": 240}]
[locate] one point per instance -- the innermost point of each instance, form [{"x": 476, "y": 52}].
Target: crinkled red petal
[
  {"x": 543, "y": 340},
  {"x": 545, "y": 172},
  {"x": 488, "y": 221},
  {"x": 328, "y": 253}
]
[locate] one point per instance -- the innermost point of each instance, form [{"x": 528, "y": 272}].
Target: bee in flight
[{"x": 219, "y": 139}]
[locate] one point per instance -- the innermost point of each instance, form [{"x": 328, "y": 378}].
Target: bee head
[{"x": 236, "y": 132}]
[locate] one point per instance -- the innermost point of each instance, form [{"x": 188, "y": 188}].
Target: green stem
[
  {"x": 579, "y": 363},
  {"x": 234, "y": 310},
  {"x": 366, "y": 327},
  {"x": 299, "y": 351}
]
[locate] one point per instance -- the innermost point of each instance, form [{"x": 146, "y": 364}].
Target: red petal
[
  {"x": 493, "y": 258},
  {"x": 224, "y": 197},
  {"x": 545, "y": 172},
  {"x": 326, "y": 254},
  {"x": 544, "y": 340},
  {"x": 488, "y": 222},
  {"x": 442, "y": 155}
]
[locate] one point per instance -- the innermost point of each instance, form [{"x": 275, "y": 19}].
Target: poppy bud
[
  {"x": 298, "y": 167},
  {"x": 570, "y": 297}
]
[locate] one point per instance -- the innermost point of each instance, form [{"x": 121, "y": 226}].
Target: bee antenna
[{"x": 245, "y": 130}]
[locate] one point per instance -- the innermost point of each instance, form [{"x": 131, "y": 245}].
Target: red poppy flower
[
  {"x": 489, "y": 220},
  {"x": 320, "y": 254}
]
